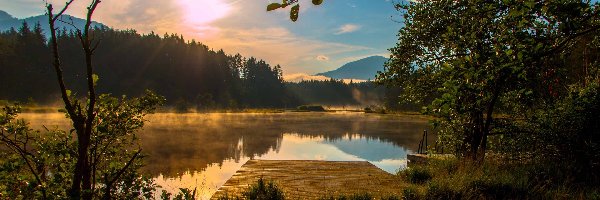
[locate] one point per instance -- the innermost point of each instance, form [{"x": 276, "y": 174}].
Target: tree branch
[{"x": 110, "y": 183}]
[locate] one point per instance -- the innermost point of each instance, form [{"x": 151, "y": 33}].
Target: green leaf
[
  {"x": 95, "y": 79},
  {"x": 295, "y": 12},
  {"x": 317, "y": 2},
  {"x": 273, "y": 6},
  {"x": 69, "y": 92},
  {"x": 529, "y": 4},
  {"x": 509, "y": 52}
]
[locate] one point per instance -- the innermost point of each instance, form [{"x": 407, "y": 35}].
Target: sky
[{"x": 324, "y": 38}]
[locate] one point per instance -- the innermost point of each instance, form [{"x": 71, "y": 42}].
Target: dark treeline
[
  {"x": 337, "y": 92},
  {"x": 188, "y": 74},
  {"x": 128, "y": 63}
]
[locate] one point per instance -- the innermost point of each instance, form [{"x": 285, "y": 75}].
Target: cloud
[
  {"x": 322, "y": 58},
  {"x": 278, "y": 45},
  {"x": 236, "y": 26},
  {"x": 347, "y": 28},
  {"x": 172, "y": 16}
]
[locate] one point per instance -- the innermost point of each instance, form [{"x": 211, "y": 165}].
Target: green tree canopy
[{"x": 470, "y": 58}]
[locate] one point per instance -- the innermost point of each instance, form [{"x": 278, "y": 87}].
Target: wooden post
[{"x": 425, "y": 133}]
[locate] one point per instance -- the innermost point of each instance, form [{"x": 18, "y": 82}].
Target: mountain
[
  {"x": 364, "y": 69},
  {"x": 7, "y": 22}
]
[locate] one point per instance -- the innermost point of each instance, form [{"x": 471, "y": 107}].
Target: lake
[{"x": 204, "y": 150}]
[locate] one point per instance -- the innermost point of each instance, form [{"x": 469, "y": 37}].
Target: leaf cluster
[
  {"x": 295, "y": 11},
  {"x": 470, "y": 60},
  {"x": 39, "y": 164}
]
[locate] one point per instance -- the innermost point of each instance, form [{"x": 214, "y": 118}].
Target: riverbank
[
  {"x": 55, "y": 109},
  {"x": 440, "y": 178}
]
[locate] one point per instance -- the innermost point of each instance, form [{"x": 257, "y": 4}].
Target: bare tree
[{"x": 81, "y": 112}]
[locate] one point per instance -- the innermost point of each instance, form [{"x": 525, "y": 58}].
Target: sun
[{"x": 204, "y": 12}]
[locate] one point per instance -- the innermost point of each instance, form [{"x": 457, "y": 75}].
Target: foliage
[
  {"x": 358, "y": 196},
  {"x": 417, "y": 175},
  {"x": 181, "y": 71},
  {"x": 410, "y": 193},
  {"x": 315, "y": 108},
  {"x": 295, "y": 11},
  {"x": 467, "y": 59},
  {"x": 496, "y": 178},
  {"x": 199, "y": 78},
  {"x": 375, "y": 109},
  {"x": 336, "y": 92},
  {"x": 566, "y": 135},
  {"x": 184, "y": 194},
  {"x": 263, "y": 190},
  {"x": 51, "y": 153}
]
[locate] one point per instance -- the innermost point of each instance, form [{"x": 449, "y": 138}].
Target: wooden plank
[{"x": 303, "y": 179}]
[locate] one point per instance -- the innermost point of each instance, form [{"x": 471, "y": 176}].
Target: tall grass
[
  {"x": 494, "y": 179},
  {"x": 261, "y": 190}
]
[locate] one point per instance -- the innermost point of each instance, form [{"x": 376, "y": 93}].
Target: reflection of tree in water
[{"x": 179, "y": 143}]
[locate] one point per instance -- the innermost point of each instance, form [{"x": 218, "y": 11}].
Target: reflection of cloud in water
[
  {"x": 295, "y": 147},
  {"x": 207, "y": 182},
  {"x": 384, "y": 155},
  {"x": 190, "y": 149},
  {"x": 371, "y": 149}
]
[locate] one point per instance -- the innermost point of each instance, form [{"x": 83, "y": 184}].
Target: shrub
[
  {"x": 436, "y": 190},
  {"x": 494, "y": 189},
  {"x": 358, "y": 196},
  {"x": 39, "y": 165},
  {"x": 315, "y": 108},
  {"x": 410, "y": 193},
  {"x": 566, "y": 136},
  {"x": 417, "y": 174},
  {"x": 263, "y": 190},
  {"x": 375, "y": 109}
]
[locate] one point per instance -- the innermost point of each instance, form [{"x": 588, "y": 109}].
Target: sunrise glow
[{"x": 199, "y": 14}]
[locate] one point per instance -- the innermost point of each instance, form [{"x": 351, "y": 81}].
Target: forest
[
  {"x": 187, "y": 73},
  {"x": 510, "y": 88}
]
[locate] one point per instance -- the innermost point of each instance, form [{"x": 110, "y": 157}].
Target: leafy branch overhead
[{"x": 294, "y": 12}]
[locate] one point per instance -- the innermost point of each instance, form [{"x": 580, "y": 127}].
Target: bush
[
  {"x": 494, "y": 189},
  {"x": 417, "y": 174},
  {"x": 410, "y": 193},
  {"x": 435, "y": 190},
  {"x": 264, "y": 191},
  {"x": 39, "y": 165},
  {"x": 375, "y": 109},
  {"x": 566, "y": 135},
  {"x": 359, "y": 196},
  {"x": 314, "y": 108}
]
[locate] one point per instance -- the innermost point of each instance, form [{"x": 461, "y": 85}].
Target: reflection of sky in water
[
  {"x": 206, "y": 182},
  {"x": 203, "y": 151},
  {"x": 384, "y": 155}
]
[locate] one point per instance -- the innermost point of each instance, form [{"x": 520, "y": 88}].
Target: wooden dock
[{"x": 314, "y": 179}]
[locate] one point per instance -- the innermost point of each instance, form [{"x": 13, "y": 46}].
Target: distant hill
[
  {"x": 7, "y": 22},
  {"x": 364, "y": 69}
]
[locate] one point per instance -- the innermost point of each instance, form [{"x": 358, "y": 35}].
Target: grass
[
  {"x": 451, "y": 178},
  {"x": 360, "y": 196},
  {"x": 261, "y": 190},
  {"x": 494, "y": 179},
  {"x": 416, "y": 175}
]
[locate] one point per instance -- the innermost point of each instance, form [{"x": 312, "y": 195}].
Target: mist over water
[{"x": 202, "y": 151}]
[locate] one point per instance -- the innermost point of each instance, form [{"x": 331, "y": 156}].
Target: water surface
[{"x": 204, "y": 150}]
